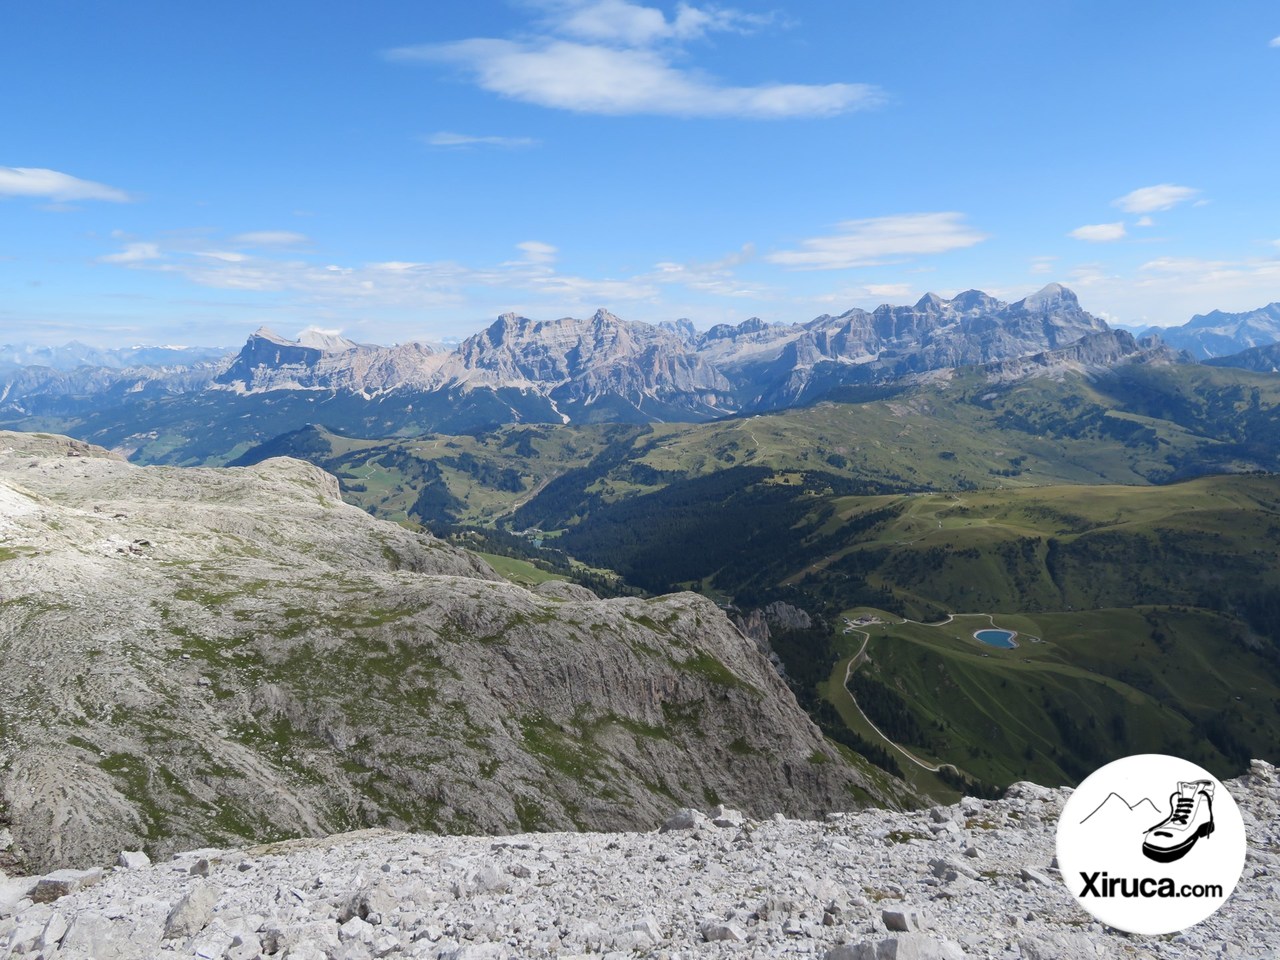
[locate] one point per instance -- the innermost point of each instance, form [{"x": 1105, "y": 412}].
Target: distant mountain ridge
[
  {"x": 652, "y": 371},
  {"x": 1263, "y": 359},
  {"x": 601, "y": 369},
  {"x": 1219, "y": 334},
  {"x": 73, "y": 355}
]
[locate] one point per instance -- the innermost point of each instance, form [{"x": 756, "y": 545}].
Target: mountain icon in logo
[{"x": 1118, "y": 813}]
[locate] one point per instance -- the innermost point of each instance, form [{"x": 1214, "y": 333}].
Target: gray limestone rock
[
  {"x": 192, "y": 913},
  {"x": 649, "y": 894},
  {"x": 686, "y": 818},
  {"x": 133, "y": 860},
  {"x": 907, "y": 946},
  {"x": 61, "y": 883},
  {"x": 712, "y": 931},
  {"x": 903, "y": 919}
]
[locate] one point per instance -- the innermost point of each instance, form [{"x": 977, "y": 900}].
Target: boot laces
[{"x": 1183, "y": 810}]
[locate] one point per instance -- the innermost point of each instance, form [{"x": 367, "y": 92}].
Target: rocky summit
[
  {"x": 977, "y": 879},
  {"x": 219, "y": 656}
]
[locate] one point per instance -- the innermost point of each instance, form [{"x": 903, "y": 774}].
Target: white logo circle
[{"x": 1151, "y": 844}]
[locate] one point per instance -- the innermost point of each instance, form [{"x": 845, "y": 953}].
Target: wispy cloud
[
  {"x": 54, "y": 185},
  {"x": 1042, "y": 265},
  {"x": 446, "y": 138},
  {"x": 879, "y": 240},
  {"x": 270, "y": 238},
  {"x": 1168, "y": 290},
  {"x": 403, "y": 283},
  {"x": 717, "y": 277},
  {"x": 1163, "y": 196},
  {"x": 134, "y": 253},
  {"x": 617, "y": 58},
  {"x": 866, "y": 294},
  {"x": 1099, "y": 232},
  {"x": 1275, "y": 42}
]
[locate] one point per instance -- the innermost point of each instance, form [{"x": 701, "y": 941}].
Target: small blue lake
[{"x": 997, "y": 638}]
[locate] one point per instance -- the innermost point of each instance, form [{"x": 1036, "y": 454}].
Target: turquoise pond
[{"x": 997, "y": 638}]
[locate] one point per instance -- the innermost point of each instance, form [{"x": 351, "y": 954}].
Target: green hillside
[{"x": 1128, "y": 521}]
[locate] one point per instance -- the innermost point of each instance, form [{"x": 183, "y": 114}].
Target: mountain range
[{"x": 599, "y": 369}]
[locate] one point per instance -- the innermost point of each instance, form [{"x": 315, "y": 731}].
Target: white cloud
[
  {"x": 587, "y": 78},
  {"x": 1042, "y": 265},
  {"x": 1275, "y": 42},
  {"x": 446, "y": 138},
  {"x": 537, "y": 252},
  {"x": 270, "y": 238},
  {"x": 1145, "y": 222},
  {"x": 1099, "y": 232},
  {"x": 394, "y": 283},
  {"x": 616, "y": 20},
  {"x": 341, "y": 291},
  {"x": 52, "y": 185},
  {"x": 134, "y": 253},
  {"x": 615, "y": 57},
  {"x": 717, "y": 277},
  {"x": 864, "y": 243},
  {"x": 1163, "y": 196},
  {"x": 1168, "y": 290},
  {"x": 619, "y": 21}
]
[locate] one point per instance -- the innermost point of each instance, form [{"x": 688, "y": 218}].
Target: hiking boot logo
[
  {"x": 1190, "y": 818},
  {"x": 1127, "y": 858}
]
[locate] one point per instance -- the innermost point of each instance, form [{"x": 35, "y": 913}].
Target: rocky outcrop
[
  {"x": 1090, "y": 355},
  {"x": 586, "y": 362},
  {"x": 197, "y": 656},
  {"x": 269, "y": 362},
  {"x": 977, "y": 879}
]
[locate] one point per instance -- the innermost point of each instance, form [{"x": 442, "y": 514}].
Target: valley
[
  {"x": 1054, "y": 506},
  {"x": 1112, "y": 503}
]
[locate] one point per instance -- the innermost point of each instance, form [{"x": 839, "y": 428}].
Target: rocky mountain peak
[
  {"x": 325, "y": 341},
  {"x": 1049, "y": 297},
  {"x": 603, "y": 316},
  {"x": 683, "y": 328},
  {"x": 975, "y": 300},
  {"x": 266, "y": 333}
]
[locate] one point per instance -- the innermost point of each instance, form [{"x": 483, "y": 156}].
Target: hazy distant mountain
[
  {"x": 1219, "y": 334},
  {"x": 777, "y": 366},
  {"x": 37, "y": 391},
  {"x": 73, "y": 355},
  {"x": 318, "y": 361}
]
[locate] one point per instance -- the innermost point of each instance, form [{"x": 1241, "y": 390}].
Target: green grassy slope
[{"x": 1045, "y": 503}]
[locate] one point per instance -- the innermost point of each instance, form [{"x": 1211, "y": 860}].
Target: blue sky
[{"x": 399, "y": 170}]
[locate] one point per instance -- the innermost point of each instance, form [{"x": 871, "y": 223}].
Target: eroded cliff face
[{"x": 199, "y": 656}]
